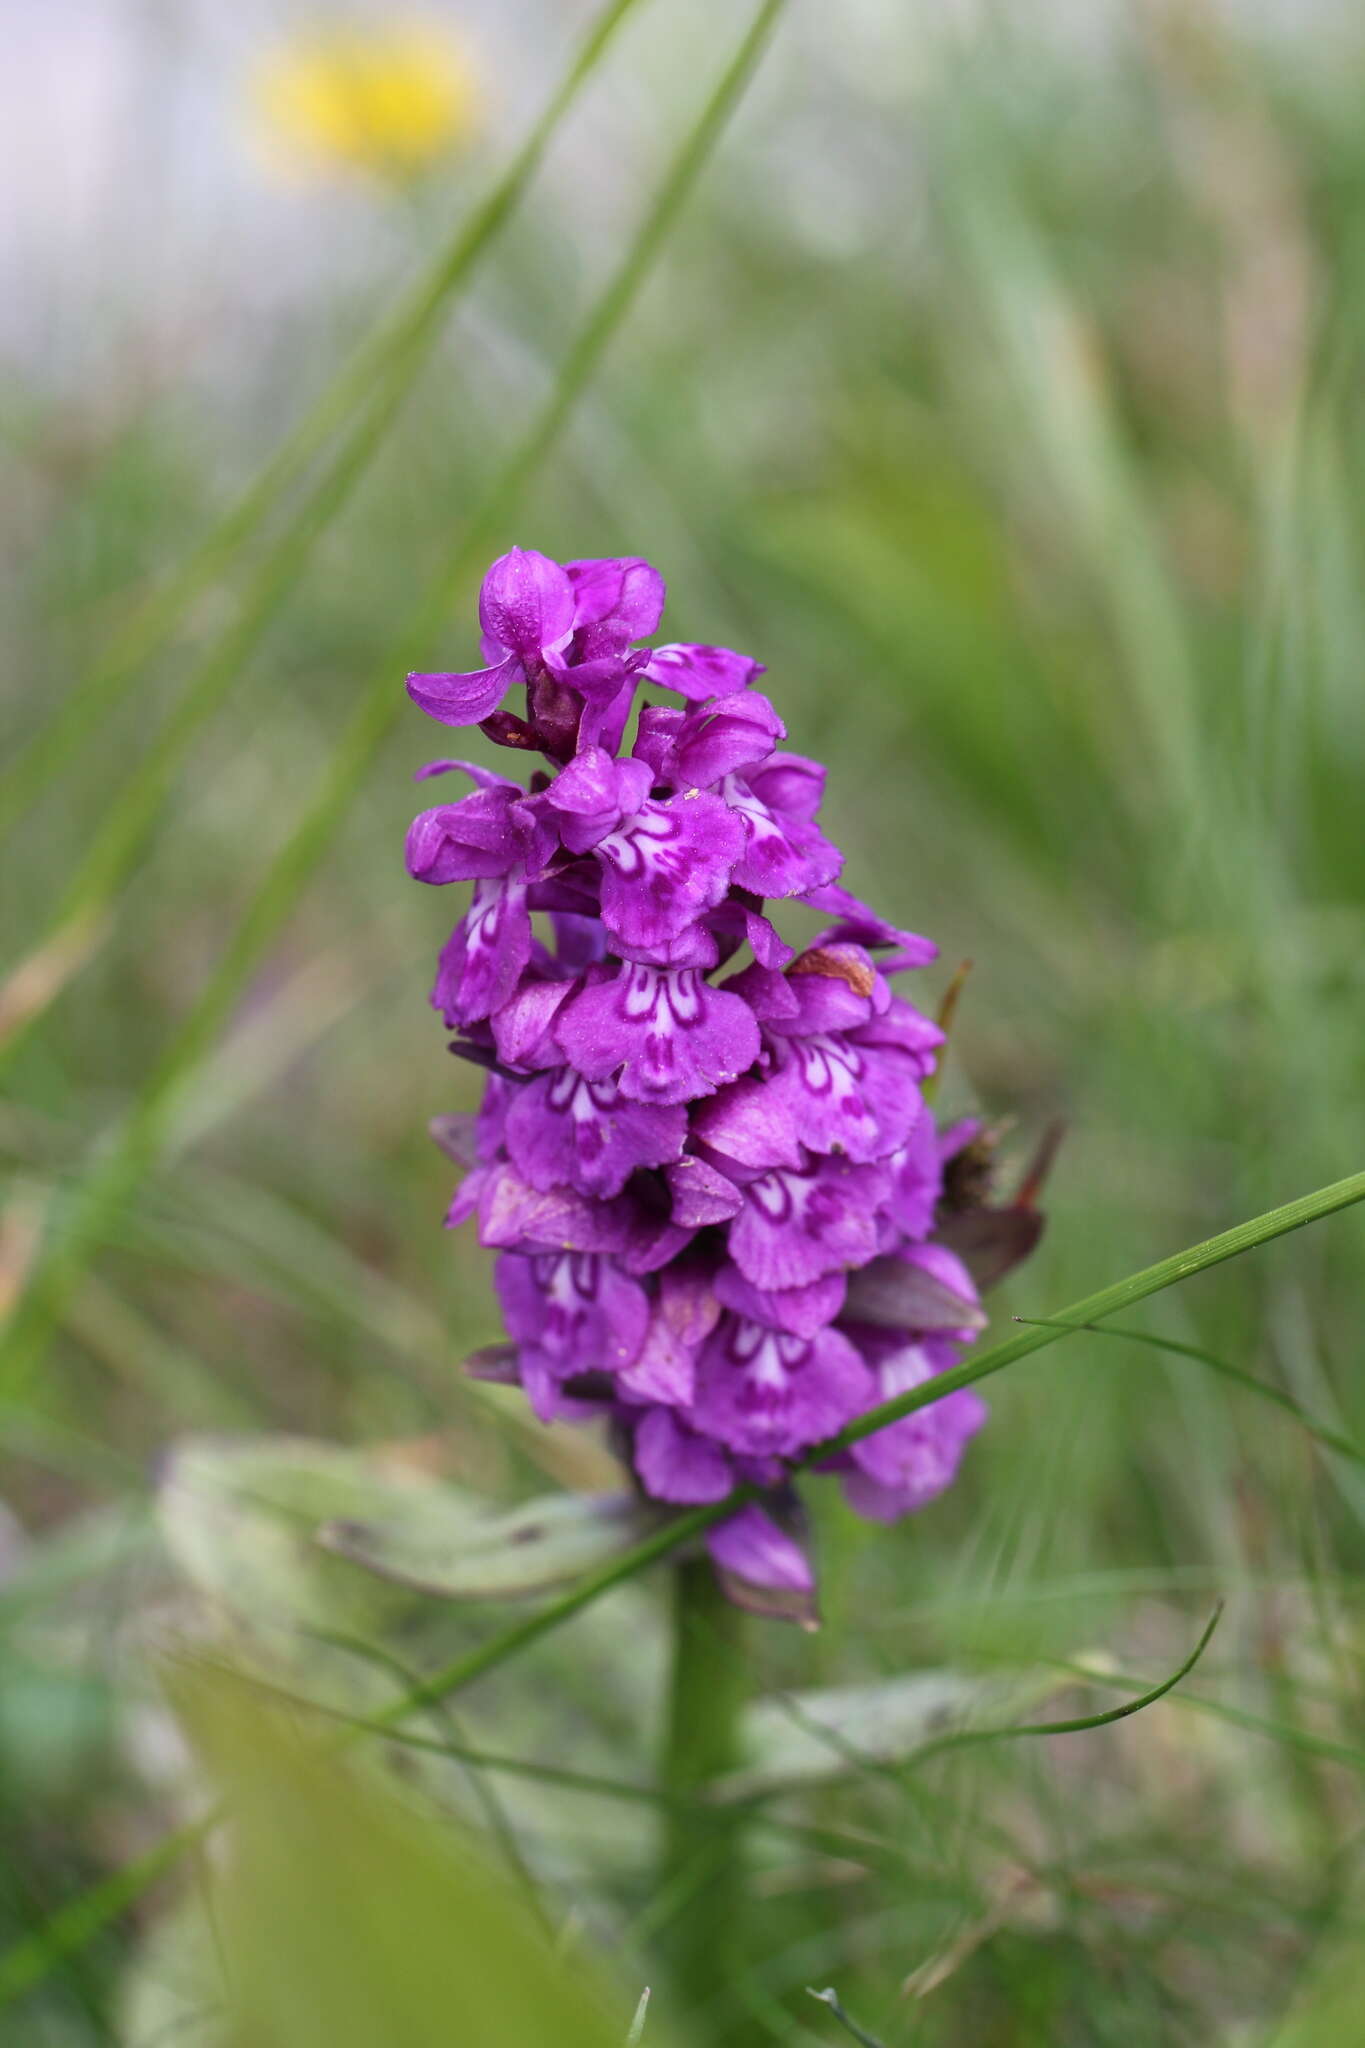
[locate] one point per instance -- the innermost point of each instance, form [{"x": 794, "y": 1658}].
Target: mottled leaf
[
  {"x": 803, "y": 1738},
  {"x": 240, "y": 1517},
  {"x": 436, "y": 1545}
]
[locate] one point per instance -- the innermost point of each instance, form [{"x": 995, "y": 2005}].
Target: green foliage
[{"x": 343, "y": 1918}]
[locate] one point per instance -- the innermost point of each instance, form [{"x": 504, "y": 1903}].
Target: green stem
[{"x": 701, "y": 1877}]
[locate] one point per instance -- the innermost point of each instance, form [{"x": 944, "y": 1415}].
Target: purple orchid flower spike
[{"x": 727, "y": 1221}]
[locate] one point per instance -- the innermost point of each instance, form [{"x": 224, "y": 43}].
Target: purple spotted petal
[
  {"x": 673, "y": 1037},
  {"x": 796, "y": 1227},
  {"x": 565, "y": 1131},
  {"x": 581, "y": 1311},
  {"x": 904, "y": 1466},
  {"x": 784, "y": 856},
  {"x": 485, "y": 954},
  {"x": 664, "y": 865},
  {"x": 768, "y": 1393},
  {"x": 701, "y": 672},
  {"x": 823, "y": 1094}
]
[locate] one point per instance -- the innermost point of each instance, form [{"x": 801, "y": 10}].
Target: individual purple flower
[
  {"x": 906, "y": 1465},
  {"x": 728, "y": 1225},
  {"x": 769, "y": 1393},
  {"x": 668, "y": 1035},
  {"x": 664, "y": 864},
  {"x": 795, "y": 1227},
  {"x": 565, "y": 1131}
]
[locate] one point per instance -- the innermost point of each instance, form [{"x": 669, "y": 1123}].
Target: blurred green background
[{"x": 1000, "y": 387}]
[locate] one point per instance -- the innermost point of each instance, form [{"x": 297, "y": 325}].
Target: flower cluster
[{"x": 717, "y": 1203}]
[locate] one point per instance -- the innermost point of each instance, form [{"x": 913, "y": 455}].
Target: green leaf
[
  {"x": 806, "y": 1738},
  {"x": 240, "y": 1517},
  {"x": 436, "y": 1544},
  {"x": 173, "y": 1991},
  {"x": 345, "y": 1917}
]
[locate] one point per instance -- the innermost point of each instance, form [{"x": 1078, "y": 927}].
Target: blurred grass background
[{"x": 1000, "y": 387}]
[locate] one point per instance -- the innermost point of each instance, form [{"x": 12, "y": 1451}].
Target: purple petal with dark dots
[
  {"x": 784, "y": 855},
  {"x": 664, "y": 865},
  {"x": 485, "y": 954},
  {"x": 768, "y": 1393},
  {"x": 580, "y": 1310},
  {"x": 672, "y": 1037},
  {"x": 564, "y": 1130},
  {"x": 796, "y": 1227}
]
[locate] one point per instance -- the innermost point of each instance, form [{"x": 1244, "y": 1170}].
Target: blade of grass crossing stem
[
  {"x": 76, "y": 1227},
  {"x": 402, "y": 338},
  {"x": 26, "y": 1963}
]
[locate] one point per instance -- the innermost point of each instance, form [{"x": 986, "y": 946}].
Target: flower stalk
[{"x": 702, "y": 1883}]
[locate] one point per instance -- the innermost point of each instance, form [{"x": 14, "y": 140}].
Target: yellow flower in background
[{"x": 389, "y": 100}]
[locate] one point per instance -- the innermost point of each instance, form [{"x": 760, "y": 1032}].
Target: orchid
[{"x": 718, "y": 1192}]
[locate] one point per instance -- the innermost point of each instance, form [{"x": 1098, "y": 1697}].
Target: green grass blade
[
  {"x": 1229, "y": 1244},
  {"x": 831, "y": 1998},
  {"x": 1331, "y": 1439},
  {"x": 963, "y": 1738},
  {"x": 398, "y": 342},
  {"x": 84, "y": 916},
  {"x": 76, "y": 1231},
  {"x": 29, "y": 1961},
  {"x": 76, "y": 1924}
]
